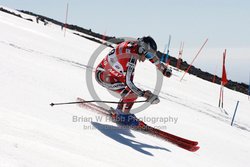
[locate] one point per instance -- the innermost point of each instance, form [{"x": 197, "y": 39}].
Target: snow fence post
[{"x": 234, "y": 113}]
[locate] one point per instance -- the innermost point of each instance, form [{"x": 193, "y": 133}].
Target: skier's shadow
[{"x": 118, "y": 133}]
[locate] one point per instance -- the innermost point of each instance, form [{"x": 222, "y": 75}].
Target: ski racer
[{"x": 116, "y": 72}]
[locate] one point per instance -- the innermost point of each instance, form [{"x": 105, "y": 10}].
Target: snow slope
[{"x": 38, "y": 65}]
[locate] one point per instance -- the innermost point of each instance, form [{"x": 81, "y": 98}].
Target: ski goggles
[{"x": 149, "y": 55}]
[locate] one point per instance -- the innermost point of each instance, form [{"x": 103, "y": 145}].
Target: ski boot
[{"x": 124, "y": 118}]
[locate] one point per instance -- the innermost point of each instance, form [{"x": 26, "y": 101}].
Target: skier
[{"x": 116, "y": 72}]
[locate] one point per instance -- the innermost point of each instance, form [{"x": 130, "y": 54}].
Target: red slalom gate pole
[
  {"x": 215, "y": 73},
  {"x": 66, "y": 19},
  {"x": 194, "y": 59},
  {"x": 220, "y": 96},
  {"x": 180, "y": 55},
  {"x": 104, "y": 37}
]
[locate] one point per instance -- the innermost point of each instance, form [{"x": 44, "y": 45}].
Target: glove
[
  {"x": 151, "y": 98},
  {"x": 167, "y": 72}
]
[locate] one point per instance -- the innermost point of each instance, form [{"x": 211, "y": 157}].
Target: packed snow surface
[{"x": 39, "y": 65}]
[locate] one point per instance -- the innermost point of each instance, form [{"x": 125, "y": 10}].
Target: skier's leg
[
  {"x": 127, "y": 100},
  {"x": 128, "y": 97},
  {"x": 123, "y": 114}
]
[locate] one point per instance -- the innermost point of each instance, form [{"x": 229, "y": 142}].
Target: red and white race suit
[{"x": 116, "y": 72}]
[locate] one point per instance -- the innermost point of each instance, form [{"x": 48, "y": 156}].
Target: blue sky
[{"x": 226, "y": 23}]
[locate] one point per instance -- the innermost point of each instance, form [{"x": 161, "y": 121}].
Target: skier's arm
[
  {"x": 129, "y": 82},
  {"x": 151, "y": 98},
  {"x": 160, "y": 66}
]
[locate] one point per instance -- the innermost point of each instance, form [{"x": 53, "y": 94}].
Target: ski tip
[{"x": 194, "y": 149}]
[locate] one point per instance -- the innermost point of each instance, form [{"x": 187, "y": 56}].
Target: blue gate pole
[{"x": 234, "y": 113}]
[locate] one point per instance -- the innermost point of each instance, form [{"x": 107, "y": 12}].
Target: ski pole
[{"x": 97, "y": 101}]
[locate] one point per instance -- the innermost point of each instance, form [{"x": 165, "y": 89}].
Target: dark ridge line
[{"x": 240, "y": 87}]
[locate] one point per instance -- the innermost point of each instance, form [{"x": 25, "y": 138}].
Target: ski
[
  {"x": 187, "y": 144},
  {"x": 181, "y": 142}
]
